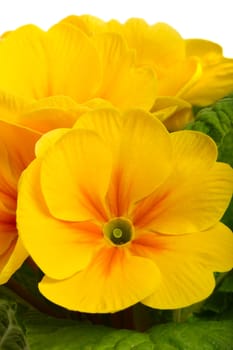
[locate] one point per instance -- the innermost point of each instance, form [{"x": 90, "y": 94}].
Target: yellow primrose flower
[
  {"x": 63, "y": 61},
  {"x": 16, "y": 152},
  {"x": 191, "y": 70},
  {"x": 17, "y": 144},
  {"x": 117, "y": 211}
]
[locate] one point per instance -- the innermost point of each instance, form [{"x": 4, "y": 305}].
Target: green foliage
[
  {"x": 227, "y": 284},
  {"x": 217, "y": 122},
  {"x": 11, "y": 334},
  {"x": 202, "y": 335},
  {"x": 24, "y": 328}
]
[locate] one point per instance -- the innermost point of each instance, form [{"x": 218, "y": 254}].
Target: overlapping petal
[
  {"x": 17, "y": 150},
  {"x": 74, "y": 65},
  {"x": 21, "y": 51},
  {"x": 142, "y": 154},
  {"x": 191, "y": 70},
  {"x": 196, "y": 194},
  {"x": 186, "y": 263},
  {"x": 12, "y": 259},
  {"x": 216, "y": 76},
  {"x": 67, "y": 247},
  {"x": 122, "y": 82},
  {"x": 67, "y": 193},
  {"x": 70, "y": 65},
  {"x": 113, "y": 281}
]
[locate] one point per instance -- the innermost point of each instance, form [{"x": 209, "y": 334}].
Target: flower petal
[
  {"x": 156, "y": 45},
  {"x": 12, "y": 106},
  {"x": 141, "y": 150},
  {"x": 186, "y": 264},
  {"x": 173, "y": 112},
  {"x": 11, "y": 261},
  {"x": 87, "y": 23},
  {"x": 74, "y": 63},
  {"x": 122, "y": 81},
  {"x": 50, "y": 113},
  {"x": 113, "y": 281},
  {"x": 49, "y": 139},
  {"x": 216, "y": 79},
  {"x": 59, "y": 248},
  {"x": 196, "y": 194},
  {"x": 17, "y": 151},
  {"x": 75, "y": 175},
  {"x": 23, "y": 63}
]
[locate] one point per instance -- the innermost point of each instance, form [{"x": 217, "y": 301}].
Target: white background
[{"x": 207, "y": 19}]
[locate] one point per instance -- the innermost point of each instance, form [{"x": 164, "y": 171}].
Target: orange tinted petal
[
  {"x": 59, "y": 248},
  {"x": 113, "y": 281},
  {"x": 196, "y": 194},
  {"x": 141, "y": 150},
  {"x": 186, "y": 264},
  {"x": 75, "y": 176},
  {"x": 11, "y": 261}
]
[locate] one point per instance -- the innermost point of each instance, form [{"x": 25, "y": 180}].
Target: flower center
[{"x": 119, "y": 231}]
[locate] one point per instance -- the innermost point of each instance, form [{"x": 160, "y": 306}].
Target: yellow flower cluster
[{"x": 112, "y": 207}]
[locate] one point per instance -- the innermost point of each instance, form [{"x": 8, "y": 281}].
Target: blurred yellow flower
[
  {"x": 64, "y": 62},
  {"x": 192, "y": 71},
  {"x": 17, "y": 151},
  {"x": 117, "y": 211}
]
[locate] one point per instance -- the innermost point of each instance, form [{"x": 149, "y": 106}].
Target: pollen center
[{"x": 118, "y": 230}]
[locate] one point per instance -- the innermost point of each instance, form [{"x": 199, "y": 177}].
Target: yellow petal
[
  {"x": 23, "y": 63},
  {"x": 74, "y": 63},
  {"x": 184, "y": 75},
  {"x": 59, "y": 248},
  {"x": 6, "y": 238},
  {"x": 17, "y": 151},
  {"x": 12, "y": 260},
  {"x": 88, "y": 24},
  {"x": 11, "y": 106},
  {"x": 113, "y": 281},
  {"x": 173, "y": 112},
  {"x": 48, "y": 140},
  {"x": 186, "y": 264},
  {"x": 156, "y": 45},
  {"x": 208, "y": 51},
  {"x": 141, "y": 150},
  {"x": 197, "y": 193},
  {"x": 122, "y": 82},
  {"x": 75, "y": 175},
  {"x": 216, "y": 79},
  {"x": 50, "y": 113}
]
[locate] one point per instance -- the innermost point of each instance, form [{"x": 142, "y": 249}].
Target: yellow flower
[
  {"x": 16, "y": 152},
  {"x": 17, "y": 144},
  {"x": 192, "y": 70},
  {"x": 63, "y": 61},
  {"x": 117, "y": 211}
]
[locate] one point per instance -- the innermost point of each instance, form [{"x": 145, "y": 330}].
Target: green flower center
[{"x": 119, "y": 231}]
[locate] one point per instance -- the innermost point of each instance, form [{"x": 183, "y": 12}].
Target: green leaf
[
  {"x": 11, "y": 334},
  {"x": 217, "y": 122},
  {"x": 202, "y": 335},
  {"x": 53, "y": 334},
  {"x": 48, "y": 333},
  {"x": 227, "y": 284}
]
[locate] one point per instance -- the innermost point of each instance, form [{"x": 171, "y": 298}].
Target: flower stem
[
  {"x": 177, "y": 315},
  {"x": 31, "y": 300}
]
